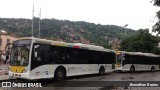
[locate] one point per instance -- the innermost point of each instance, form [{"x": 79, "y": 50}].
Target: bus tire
[
  {"x": 152, "y": 69},
  {"x": 60, "y": 74},
  {"x": 132, "y": 69},
  {"x": 101, "y": 70}
]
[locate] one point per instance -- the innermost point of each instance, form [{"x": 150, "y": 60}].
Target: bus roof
[
  {"x": 142, "y": 54},
  {"x": 64, "y": 44}
]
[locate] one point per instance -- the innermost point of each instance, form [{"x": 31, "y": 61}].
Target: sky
[{"x": 136, "y": 13}]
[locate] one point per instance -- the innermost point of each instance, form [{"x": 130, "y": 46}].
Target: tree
[
  {"x": 156, "y": 27},
  {"x": 143, "y": 41},
  {"x": 156, "y": 2}
]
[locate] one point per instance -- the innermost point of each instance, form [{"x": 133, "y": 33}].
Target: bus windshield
[{"x": 20, "y": 53}]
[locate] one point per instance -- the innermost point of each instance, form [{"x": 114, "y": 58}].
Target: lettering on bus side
[
  {"x": 79, "y": 68},
  {"x": 107, "y": 66},
  {"x": 71, "y": 68}
]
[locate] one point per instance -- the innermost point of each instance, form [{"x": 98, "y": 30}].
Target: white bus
[
  {"x": 34, "y": 58},
  {"x": 137, "y": 61}
]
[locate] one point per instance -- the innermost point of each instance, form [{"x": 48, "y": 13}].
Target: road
[{"x": 109, "y": 81}]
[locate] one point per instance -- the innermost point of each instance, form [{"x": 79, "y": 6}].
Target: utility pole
[
  {"x": 32, "y": 19},
  {"x": 1, "y": 23},
  {"x": 39, "y": 23},
  {"x": 1, "y": 41}
]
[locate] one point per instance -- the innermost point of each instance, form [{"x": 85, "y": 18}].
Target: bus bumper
[{"x": 18, "y": 75}]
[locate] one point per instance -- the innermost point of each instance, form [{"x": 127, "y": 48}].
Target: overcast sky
[{"x": 136, "y": 13}]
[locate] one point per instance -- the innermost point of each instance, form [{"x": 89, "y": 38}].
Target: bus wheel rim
[
  {"x": 132, "y": 69},
  {"x": 60, "y": 74}
]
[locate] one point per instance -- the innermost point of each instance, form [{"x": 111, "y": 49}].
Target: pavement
[
  {"x": 4, "y": 72},
  {"x": 4, "y": 77}
]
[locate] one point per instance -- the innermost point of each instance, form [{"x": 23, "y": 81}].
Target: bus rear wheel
[
  {"x": 152, "y": 69},
  {"x": 101, "y": 71},
  {"x": 60, "y": 74},
  {"x": 132, "y": 69}
]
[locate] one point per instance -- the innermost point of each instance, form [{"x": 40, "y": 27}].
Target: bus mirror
[
  {"x": 36, "y": 50},
  {"x": 35, "y": 54}
]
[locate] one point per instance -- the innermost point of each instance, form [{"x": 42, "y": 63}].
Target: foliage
[
  {"x": 68, "y": 31},
  {"x": 156, "y": 2},
  {"x": 143, "y": 41},
  {"x": 156, "y": 27}
]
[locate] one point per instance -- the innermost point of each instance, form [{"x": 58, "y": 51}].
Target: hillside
[{"x": 68, "y": 31}]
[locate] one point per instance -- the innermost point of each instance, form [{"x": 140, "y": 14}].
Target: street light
[{"x": 125, "y": 29}]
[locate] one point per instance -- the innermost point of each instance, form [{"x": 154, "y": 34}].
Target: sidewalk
[
  {"x": 4, "y": 77},
  {"x": 4, "y": 72},
  {"x": 3, "y": 69}
]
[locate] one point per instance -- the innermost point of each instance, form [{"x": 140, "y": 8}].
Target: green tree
[
  {"x": 156, "y": 27},
  {"x": 156, "y": 2},
  {"x": 143, "y": 41}
]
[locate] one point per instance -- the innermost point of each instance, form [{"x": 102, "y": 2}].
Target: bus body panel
[
  {"x": 71, "y": 70},
  {"x": 138, "y": 67},
  {"x": 47, "y": 71}
]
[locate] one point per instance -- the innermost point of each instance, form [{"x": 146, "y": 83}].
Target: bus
[
  {"x": 136, "y": 61},
  {"x": 35, "y": 58}
]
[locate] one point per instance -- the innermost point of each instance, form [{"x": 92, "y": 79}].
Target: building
[
  {"x": 5, "y": 45},
  {"x": 5, "y": 41}
]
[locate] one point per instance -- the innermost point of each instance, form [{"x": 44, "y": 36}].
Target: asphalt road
[{"x": 109, "y": 81}]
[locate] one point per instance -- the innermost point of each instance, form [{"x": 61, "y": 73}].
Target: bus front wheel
[
  {"x": 60, "y": 74},
  {"x": 132, "y": 69},
  {"x": 101, "y": 70}
]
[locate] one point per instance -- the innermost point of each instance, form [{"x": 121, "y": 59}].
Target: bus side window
[
  {"x": 83, "y": 56},
  {"x": 74, "y": 55},
  {"x": 45, "y": 54},
  {"x": 63, "y": 56},
  {"x": 67, "y": 56},
  {"x": 55, "y": 56},
  {"x": 94, "y": 58}
]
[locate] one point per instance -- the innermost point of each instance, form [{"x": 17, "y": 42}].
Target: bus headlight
[{"x": 24, "y": 71}]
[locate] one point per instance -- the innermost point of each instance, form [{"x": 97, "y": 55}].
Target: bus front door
[{"x": 119, "y": 60}]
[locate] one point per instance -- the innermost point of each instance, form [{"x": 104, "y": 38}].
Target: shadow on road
[
  {"x": 51, "y": 81},
  {"x": 136, "y": 72}
]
